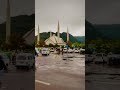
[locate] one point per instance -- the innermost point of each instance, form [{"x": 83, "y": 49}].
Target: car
[
  {"x": 25, "y": 60},
  {"x": 70, "y": 50},
  {"x": 65, "y": 50},
  {"x": 101, "y": 58},
  {"x": 5, "y": 58},
  {"x": 76, "y": 50},
  {"x": 82, "y": 51},
  {"x": 88, "y": 58},
  {"x": 45, "y": 51},
  {"x": 37, "y": 50}
]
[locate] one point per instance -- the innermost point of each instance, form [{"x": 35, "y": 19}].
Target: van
[{"x": 25, "y": 60}]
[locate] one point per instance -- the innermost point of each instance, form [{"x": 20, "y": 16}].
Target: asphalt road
[
  {"x": 53, "y": 72},
  {"x": 56, "y": 72}
]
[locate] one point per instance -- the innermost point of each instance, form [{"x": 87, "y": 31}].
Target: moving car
[
  {"x": 45, "y": 51},
  {"x": 25, "y": 60}
]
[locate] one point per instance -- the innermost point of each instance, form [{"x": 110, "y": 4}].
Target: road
[{"x": 54, "y": 73}]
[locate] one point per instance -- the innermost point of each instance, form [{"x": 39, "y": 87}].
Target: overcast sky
[
  {"x": 70, "y": 13},
  {"x": 18, "y": 7},
  {"x": 103, "y": 11}
]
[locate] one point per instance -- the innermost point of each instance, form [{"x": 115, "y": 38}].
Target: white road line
[{"x": 38, "y": 81}]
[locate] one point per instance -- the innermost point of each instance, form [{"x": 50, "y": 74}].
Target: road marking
[{"x": 38, "y": 81}]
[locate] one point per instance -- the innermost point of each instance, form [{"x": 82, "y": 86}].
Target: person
[{"x": 2, "y": 69}]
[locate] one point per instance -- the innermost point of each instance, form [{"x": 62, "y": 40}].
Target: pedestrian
[{"x": 2, "y": 69}]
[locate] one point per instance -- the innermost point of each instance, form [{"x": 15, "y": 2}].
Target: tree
[
  {"x": 69, "y": 43},
  {"x": 16, "y": 42}
]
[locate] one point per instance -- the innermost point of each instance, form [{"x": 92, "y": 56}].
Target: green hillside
[
  {"x": 109, "y": 31},
  {"x": 90, "y": 32},
  {"x": 46, "y": 35},
  {"x": 80, "y": 38},
  {"x": 19, "y": 24}
]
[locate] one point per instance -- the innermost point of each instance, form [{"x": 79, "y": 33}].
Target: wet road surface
[
  {"x": 54, "y": 73},
  {"x": 102, "y": 77}
]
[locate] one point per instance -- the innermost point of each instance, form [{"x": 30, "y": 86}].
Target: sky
[
  {"x": 103, "y": 11},
  {"x": 18, "y": 7},
  {"x": 69, "y": 13}
]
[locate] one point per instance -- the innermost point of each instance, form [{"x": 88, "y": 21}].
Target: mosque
[{"x": 53, "y": 39}]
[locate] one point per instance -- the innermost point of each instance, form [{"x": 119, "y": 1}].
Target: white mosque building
[{"x": 53, "y": 39}]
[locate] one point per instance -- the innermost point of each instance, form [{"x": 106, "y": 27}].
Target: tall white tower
[
  {"x": 58, "y": 30},
  {"x": 38, "y": 36},
  {"x": 8, "y": 21},
  {"x": 50, "y": 34},
  {"x": 67, "y": 34}
]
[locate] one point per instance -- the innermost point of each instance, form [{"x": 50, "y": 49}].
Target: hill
[
  {"x": 46, "y": 35},
  {"x": 109, "y": 31},
  {"x": 80, "y": 38},
  {"x": 90, "y": 32},
  {"x": 19, "y": 24}
]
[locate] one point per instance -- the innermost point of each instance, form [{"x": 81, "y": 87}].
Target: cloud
[{"x": 70, "y": 13}]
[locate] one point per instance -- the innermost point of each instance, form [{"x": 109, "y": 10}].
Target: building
[{"x": 55, "y": 40}]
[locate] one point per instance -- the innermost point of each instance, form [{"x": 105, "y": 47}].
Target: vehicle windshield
[{"x": 21, "y": 57}]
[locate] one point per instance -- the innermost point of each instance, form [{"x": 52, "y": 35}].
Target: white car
[
  {"x": 88, "y": 58},
  {"x": 36, "y": 49},
  {"x": 5, "y": 58},
  {"x": 65, "y": 50},
  {"x": 76, "y": 50},
  {"x": 101, "y": 58},
  {"x": 25, "y": 60},
  {"x": 45, "y": 51},
  {"x": 82, "y": 51},
  {"x": 70, "y": 50}
]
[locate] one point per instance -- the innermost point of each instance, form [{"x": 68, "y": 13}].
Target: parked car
[
  {"x": 101, "y": 58},
  {"x": 25, "y": 60},
  {"x": 45, "y": 51},
  {"x": 5, "y": 58},
  {"x": 76, "y": 50},
  {"x": 37, "y": 50},
  {"x": 88, "y": 58},
  {"x": 70, "y": 50},
  {"x": 65, "y": 50},
  {"x": 82, "y": 51}
]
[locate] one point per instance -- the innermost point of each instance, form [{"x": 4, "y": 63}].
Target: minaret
[
  {"x": 38, "y": 37},
  {"x": 67, "y": 34},
  {"x": 50, "y": 34},
  {"x": 8, "y": 21},
  {"x": 58, "y": 30}
]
